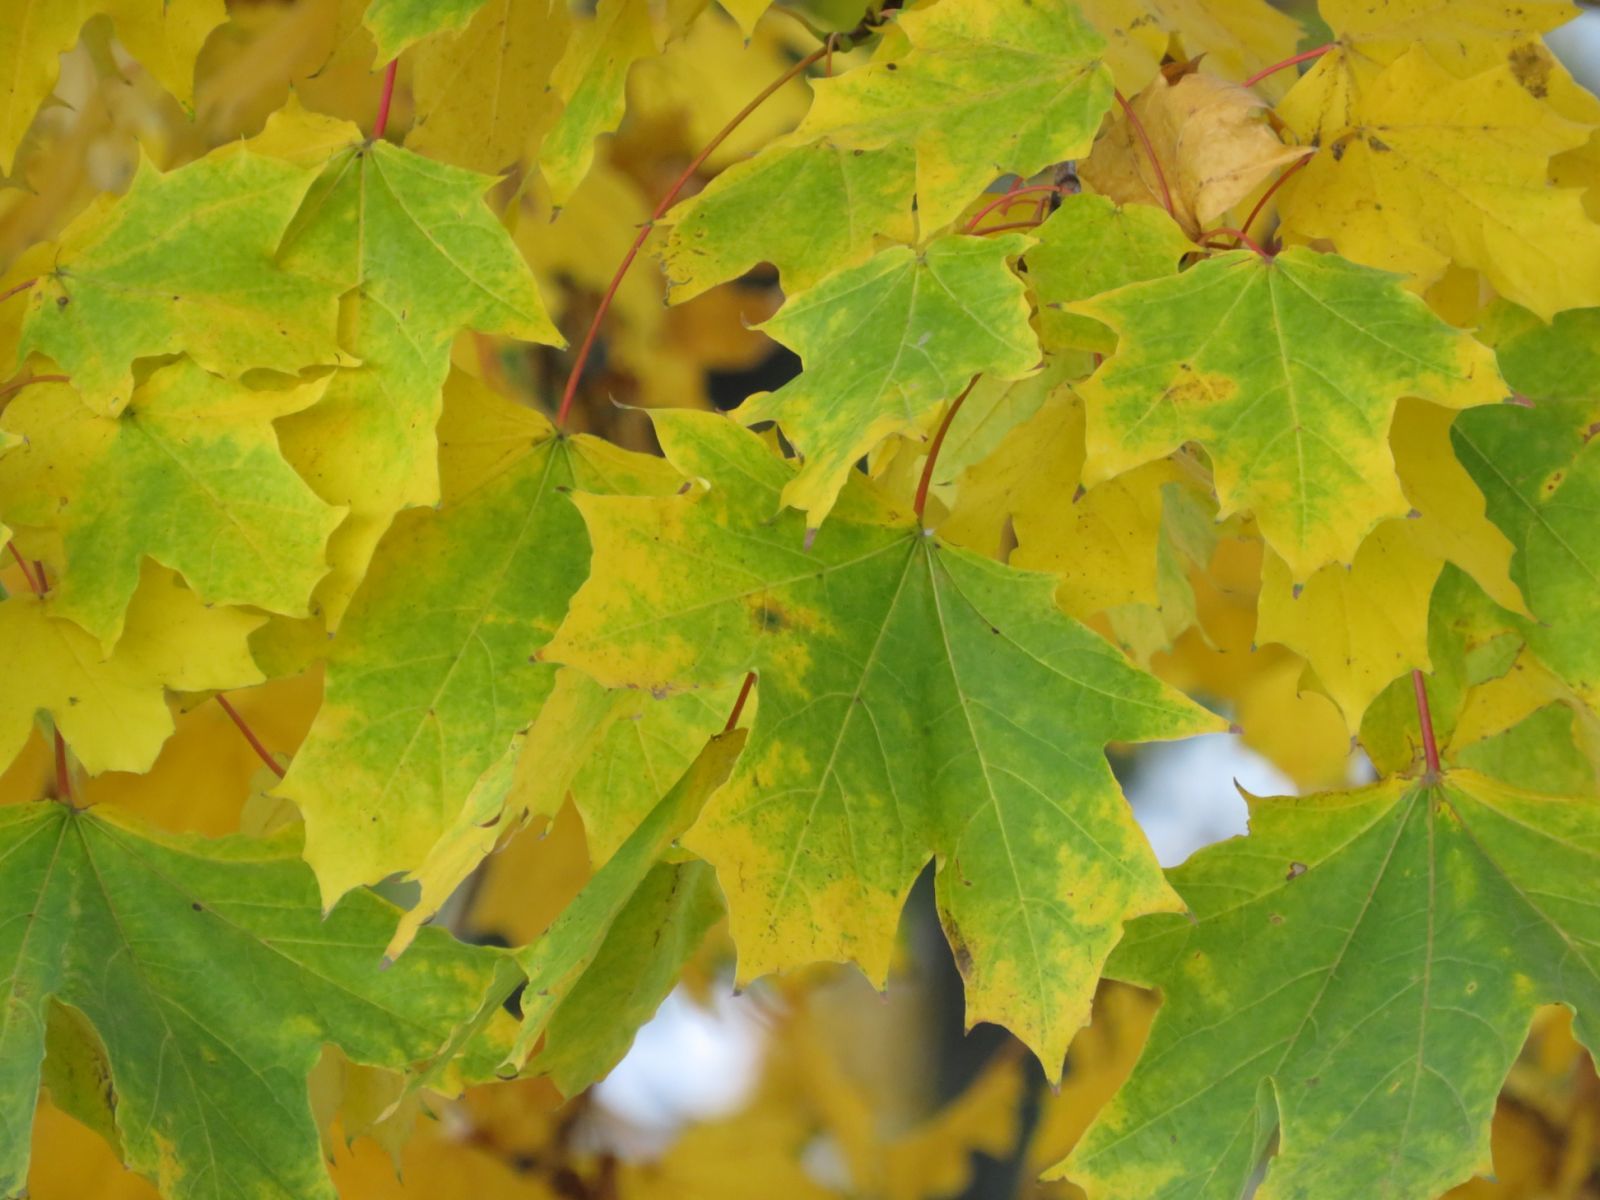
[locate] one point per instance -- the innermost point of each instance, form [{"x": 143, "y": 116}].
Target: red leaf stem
[
  {"x": 921, "y": 500},
  {"x": 1291, "y": 61},
  {"x": 1277, "y": 183},
  {"x": 250, "y": 736},
  {"x": 666, "y": 202},
  {"x": 1430, "y": 747},
  {"x": 1033, "y": 224},
  {"x": 1155, "y": 163},
  {"x": 16, "y": 385},
  {"x": 36, "y": 586},
  {"x": 1238, "y": 235},
  {"x": 1005, "y": 200},
  {"x": 19, "y": 287},
  {"x": 738, "y": 705},
  {"x": 63, "y": 773},
  {"x": 382, "y": 123}
]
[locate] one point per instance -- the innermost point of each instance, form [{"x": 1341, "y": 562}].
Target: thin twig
[
  {"x": 36, "y": 586},
  {"x": 1239, "y": 235}
]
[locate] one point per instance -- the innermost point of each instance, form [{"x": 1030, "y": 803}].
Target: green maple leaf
[
  {"x": 1360, "y": 973},
  {"x": 419, "y": 257},
  {"x": 1539, "y": 468},
  {"x": 189, "y": 474},
  {"x": 430, "y": 676},
  {"x": 765, "y": 210},
  {"x": 989, "y": 87},
  {"x": 211, "y": 980},
  {"x": 917, "y": 701},
  {"x": 884, "y": 344},
  {"x": 608, "y": 961},
  {"x": 1287, "y": 370},
  {"x": 130, "y": 282}
]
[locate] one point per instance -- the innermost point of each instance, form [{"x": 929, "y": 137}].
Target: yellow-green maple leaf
[
  {"x": 989, "y": 87},
  {"x": 112, "y": 709},
  {"x": 601, "y": 969},
  {"x": 431, "y": 675},
  {"x": 1090, "y": 245},
  {"x": 419, "y": 257},
  {"x": 846, "y": 791},
  {"x": 1416, "y": 168},
  {"x": 189, "y": 475},
  {"x": 766, "y": 209},
  {"x": 884, "y": 343},
  {"x": 591, "y": 80},
  {"x": 164, "y": 35},
  {"x": 398, "y": 24},
  {"x": 129, "y": 282},
  {"x": 1287, "y": 370}
]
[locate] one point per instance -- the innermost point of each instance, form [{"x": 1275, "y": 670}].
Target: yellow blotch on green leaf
[{"x": 189, "y": 475}]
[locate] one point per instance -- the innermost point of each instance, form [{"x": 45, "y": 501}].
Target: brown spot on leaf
[
  {"x": 1530, "y": 64},
  {"x": 1296, "y": 869}
]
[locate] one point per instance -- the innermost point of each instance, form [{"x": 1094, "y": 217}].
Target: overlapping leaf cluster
[{"x": 1276, "y": 412}]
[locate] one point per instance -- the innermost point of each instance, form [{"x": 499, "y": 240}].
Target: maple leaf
[
  {"x": 210, "y": 1094},
  {"x": 129, "y": 282},
  {"x": 1211, "y": 143},
  {"x": 884, "y": 343},
  {"x": 989, "y": 87},
  {"x": 761, "y": 210},
  {"x": 1109, "y": 547},
  {"x": 419, "y": 257},
  {"x": 1287, "y": 370},
  {"x": 1539, "y": 468},
  {"x": 1366, "y": 964},
  {"x": 189, "y": 475},
  {"x": 1091, "y": 245},
  {"x": 592, "y": 77},
  {"x": 165, "y": 36},
  {"x": 608, "y": 961},
  {"x": 1238, "y": 37},
  {"x": 430, "y": 677},
  {"x": 111, "y": 709},
  {"x": 1361, "y": 626},
  {"x": 1416, "y": 169},
  {"x": 845, "y": 792},
  {"x": 482, "y": 95},
  {"x": 615, "y": 751}
]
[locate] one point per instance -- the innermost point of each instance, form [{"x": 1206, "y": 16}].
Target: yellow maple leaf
[
  {"x": 1363, "y": 625},
  {"x": 1416, "y": 168},
  {"x": 112, "y": 711}
]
